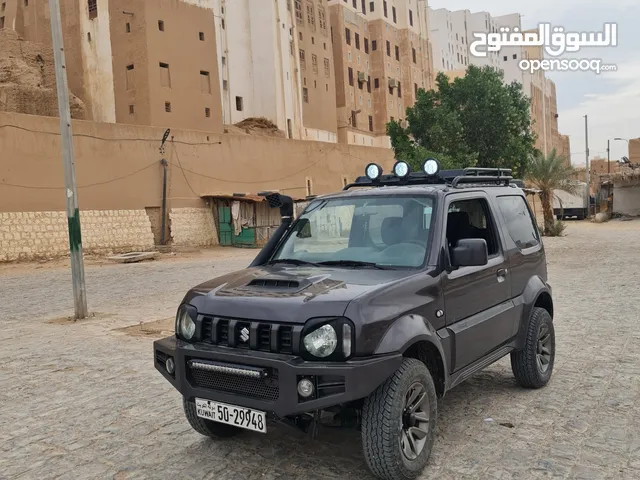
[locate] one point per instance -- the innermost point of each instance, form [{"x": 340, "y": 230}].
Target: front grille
[
  {"x": 258, "y": 388},
  {"x": 253, "y": 335}
]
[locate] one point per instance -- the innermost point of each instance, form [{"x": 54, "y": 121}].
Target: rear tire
[
  {"x": 533, "y": 365},
  {"x": 399, "y": 423},
  {"x": 205, "y": 427}
]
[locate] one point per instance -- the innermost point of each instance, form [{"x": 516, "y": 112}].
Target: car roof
[{"x": 420, "y": 190}]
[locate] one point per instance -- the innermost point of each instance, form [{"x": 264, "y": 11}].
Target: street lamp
[{"x": 623, "y": 140}]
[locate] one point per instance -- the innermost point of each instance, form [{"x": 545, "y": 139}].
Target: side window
[
  {"x": 520, "y": 223},
  {"x": 471, "y": 219}
]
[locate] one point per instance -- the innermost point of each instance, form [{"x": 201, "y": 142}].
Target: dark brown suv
[{"x": 368, "y": 307}]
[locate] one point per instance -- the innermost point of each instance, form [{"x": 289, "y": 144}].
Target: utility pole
[
  {"x": 586, "y": 148},
  {"x": 71, "y": 195}
]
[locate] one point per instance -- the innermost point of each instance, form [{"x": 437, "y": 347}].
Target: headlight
[
  {"x": 321, "y": 342},
  {"x": 186, "y": 327}
]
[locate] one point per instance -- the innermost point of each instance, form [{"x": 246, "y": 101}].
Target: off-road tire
[
  {"x": 207, "y": 427},
  {"x": 382, "y": 423},
  {"x": 524, "y": 363}
]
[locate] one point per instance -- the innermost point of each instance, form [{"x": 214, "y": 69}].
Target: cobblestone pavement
[{"x": 83, "y": 401}]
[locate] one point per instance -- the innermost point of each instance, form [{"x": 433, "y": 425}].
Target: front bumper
[{"x": 336, "y": 383}]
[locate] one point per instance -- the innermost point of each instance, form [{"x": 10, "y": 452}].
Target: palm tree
[{"x": 548, "y": 173}]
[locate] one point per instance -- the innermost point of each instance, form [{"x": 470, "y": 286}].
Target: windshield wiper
[
  {"x": 292, "y": 261},
  {"x": 351, "y": 263}
]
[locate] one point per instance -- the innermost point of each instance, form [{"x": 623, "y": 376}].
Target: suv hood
[{"x": 287, "y": 293}]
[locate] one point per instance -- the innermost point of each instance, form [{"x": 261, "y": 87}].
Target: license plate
[{"x": 241, "y": 417}]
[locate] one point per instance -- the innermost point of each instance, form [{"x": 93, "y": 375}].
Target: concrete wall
[
  {"x": 626, "y": 198},
  {"x": 118, "y": 170}
]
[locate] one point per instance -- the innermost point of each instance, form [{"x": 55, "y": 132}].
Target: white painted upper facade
[{"x": 258, "y": 75}]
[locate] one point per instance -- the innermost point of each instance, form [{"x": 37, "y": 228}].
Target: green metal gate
[{"x": 225, "y": 226}]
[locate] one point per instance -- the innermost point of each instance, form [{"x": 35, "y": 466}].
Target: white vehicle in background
[{"x": 567, "y": 204}]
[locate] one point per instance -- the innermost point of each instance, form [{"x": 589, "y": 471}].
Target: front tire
[
  {"x": 399, "y": 423},
  {"x": 205, "y": 427},
  {"x": 533, "y": 365}
]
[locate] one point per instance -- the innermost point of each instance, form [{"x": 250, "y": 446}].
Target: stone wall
[
  {"x": 193, "y": 227},
  {"x": 31, "y": 235}
]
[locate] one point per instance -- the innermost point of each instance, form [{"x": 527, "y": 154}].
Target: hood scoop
[{"x": 274, "y": 283}]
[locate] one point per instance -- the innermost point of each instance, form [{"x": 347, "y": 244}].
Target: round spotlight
[
  {"x": 170, "y": 365},
  {"x": 401, "y": 169},
  {"x": 431, "y": 167},
  {"x": 373, "y": 171},
  {"x": 305, "y": 388}
]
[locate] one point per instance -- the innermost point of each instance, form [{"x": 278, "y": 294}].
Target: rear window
[{"x": 520, "y": 223}]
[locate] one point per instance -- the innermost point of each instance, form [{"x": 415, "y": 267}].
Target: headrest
[{"x": 391, "y": 230}]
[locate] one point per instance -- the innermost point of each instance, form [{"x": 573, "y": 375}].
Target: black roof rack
[{"x": 453, "y": 178}]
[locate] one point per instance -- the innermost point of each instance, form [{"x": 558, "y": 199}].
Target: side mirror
[{"x": 470, "y": 252}]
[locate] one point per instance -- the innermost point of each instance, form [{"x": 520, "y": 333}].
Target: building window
[
  {"x": 360, "y": 82},
  {"x": 207, "y": 112},
  {"x": 205, "y": 82},
  {"x": 239, "y": 104},
  {"x": 322, "y": 20},
  {"x": 384, "y": 9},
  {"x": 415, "y": 89},
  {"x": 505, "y": 58},
  {"x": 393, "y": 13},
  {"x": 326, "y": 87},
  {"x": 376, "y": 83},
  {"x": 399, "y": 90},
  {"x": 327, "y": 68},
  {"x": 388, "y": 48},
  {"x": 515, "y": 56},
  {"x": 314, "y": 63},
  {"x": 357, "y": 38},
  {"x": 167, "y": 107},
  {"x": 397, "y": 53},
  {"x": 161, "y": 25},
  {"x": 201, "y": 36},
  {"x": 225, "y": 84},
  {"x": 313, "y": 40},
  {"x": 369, "y": 86},
  {"x": 413, "y": 54},
  {"x": 222, "y": 23},
  {"x": 165, "y": 77},
  {"x": 26, "y": 3},
  {"x": 300, "y": 35},
  {"x": 364, "y": 6},
  {"x": 303, "y": 61},
  {"x": 127, "y": 27},
  {"x": 311, "y": 16},
  {"x": 351, "y": 76},
  {"x": 132, "y": 109},
  {"x": 410, "y": 18},
  {"x": 305, "y": 94},
  {"x": 129, "y": 78},
  {"x": 347, "y": 36},
  {"x": 366, "y": 45},
  {"x": 93, "y": 9},
  {"x": 89, "y": 37},
  {"x": 299, "y": 14},
  {"x": 372, "y": 6},
  {"x": 370, "y": 123},
  {"x": 374, "y": 45},
  {"x": 354, "y": 121}
]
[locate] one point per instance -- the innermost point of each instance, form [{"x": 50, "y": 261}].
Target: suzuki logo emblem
[{"x": 244, "y": 334}]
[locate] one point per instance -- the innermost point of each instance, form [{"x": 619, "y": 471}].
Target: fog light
[
  {"x": 170, "y": 365},
  {"x": 305, "y": 387}
]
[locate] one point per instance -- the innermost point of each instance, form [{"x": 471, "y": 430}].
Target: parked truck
[{"x": 566, "y": 205}]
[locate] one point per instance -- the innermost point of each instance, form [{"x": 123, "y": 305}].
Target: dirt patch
[
  {"x": 255, "y": 126},
  {"x": 71, "y": 320},
  {"x": 159, "y": 328}
]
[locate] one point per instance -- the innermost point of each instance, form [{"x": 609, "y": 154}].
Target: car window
[
  {"x": 520, "y": 224},
  {"x": 471, "y": 219},
  {"x": 387, "y": 231}
]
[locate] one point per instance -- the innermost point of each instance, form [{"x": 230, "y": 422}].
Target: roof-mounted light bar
[
  {"x": 431, "y": 167},
  {"x": 373, "y": 171}
]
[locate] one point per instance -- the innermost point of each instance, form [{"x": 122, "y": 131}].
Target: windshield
[{"x": 370, "y": 231}]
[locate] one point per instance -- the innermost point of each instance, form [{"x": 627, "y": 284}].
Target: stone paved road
[{"x": 82, "y": 401}]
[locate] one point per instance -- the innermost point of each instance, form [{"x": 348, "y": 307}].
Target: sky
[{"x": 611, "y": 100}]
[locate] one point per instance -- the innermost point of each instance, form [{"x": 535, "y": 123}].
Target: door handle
[{"x": 502, "y": 272}]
